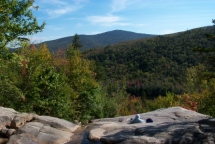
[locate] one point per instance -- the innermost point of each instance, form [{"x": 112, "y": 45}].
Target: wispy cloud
[
  {"x": 111, "y": 20},
  {"x": 118, "y": 5},
  {"x": 106, "y": 20},
  {"x": 58, "y": 12},
  {"x": 51, "y": 27},
  {"x": 57, "y": 8},
  {"x": 103, "y": 19}
]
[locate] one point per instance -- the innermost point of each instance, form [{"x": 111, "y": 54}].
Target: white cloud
[
  {"x": 118, "y": 5},
  {"x": 108, "y": 20},
  {"x": 103, "y": 19},
  {"x": 57, "y": 8},
  {"x": 58, "y": 12},
  {"x": 111, "y": 20}
]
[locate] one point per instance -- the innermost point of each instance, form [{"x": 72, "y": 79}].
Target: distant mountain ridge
[{"x": 98, "y": 40}]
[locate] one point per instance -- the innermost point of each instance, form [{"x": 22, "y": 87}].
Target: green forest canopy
[{"x": 152, "y": 66}]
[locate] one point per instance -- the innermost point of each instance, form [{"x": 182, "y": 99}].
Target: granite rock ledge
[
  {"x": 28, "y": 128},
  {"x": 173, "y": 125}
]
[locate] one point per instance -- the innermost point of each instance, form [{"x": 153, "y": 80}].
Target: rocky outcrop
[
  {"x": 24, "y": 128},
  {"x": 170, "y": 126},
  {"x": 174, "y": 125}
]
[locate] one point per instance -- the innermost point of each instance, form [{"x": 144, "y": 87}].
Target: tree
[
  {"x": 86, "y": 91},
  {"x": 30, "y": 82},
  {"x": 210, "y": 57},
  {"x": 201, "y": 79},
  {"x": 76, "y": 42},
  {"x": 17, "y": 20}
]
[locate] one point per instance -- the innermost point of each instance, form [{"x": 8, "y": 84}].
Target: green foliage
[
  {"x": 152, "y": 66},
  {"x": 201, "y": 89},
  {"x": 90, "y": 105},
  {"x": 169, "y": 100},
  {"x": 118, "y": 100},
  {"x": 206, "y": 103},
  {"x": 131, "y": 105},
  {"x": 32, "y": 80},
  {"x": 17, "y": 20},
  {"x": 210, "y": 53},
  {"x": 86, "y": 97},
  {"x": 200, "y": 79},
  {"x": 110, "y": 106},
  {"x": 30, "y": 83},
  {"x": 195, "y": 81},
  {"x": 10, "y": 94},
  {"x": 76, "y": 42}
]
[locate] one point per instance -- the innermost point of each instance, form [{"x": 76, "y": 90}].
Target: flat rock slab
[
  {"x": 170, "y": 125},
  {"x": 57, "y": 123},
  {"x": 24, "y": 128},
  {"x": 22, "y": 139},
  {"x": 41, "y": 133}
]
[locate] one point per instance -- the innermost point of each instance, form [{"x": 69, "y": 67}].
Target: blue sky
[{"x": 68, "y": 17}]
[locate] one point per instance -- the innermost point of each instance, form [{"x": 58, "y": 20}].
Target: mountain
[
  {"x": 98, "y": 40},
  {"x": 151, "y": 67}
]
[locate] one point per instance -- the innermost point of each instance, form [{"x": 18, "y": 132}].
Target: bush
[{"x": 169, "y": 100}]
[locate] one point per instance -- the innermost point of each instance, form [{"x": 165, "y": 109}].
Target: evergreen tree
[
  {"x": 210, "y": 57},
  {"x": 76, "y": 42}
]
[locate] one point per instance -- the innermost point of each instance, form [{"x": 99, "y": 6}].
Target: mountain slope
[
  {"x": 151, "y": 67},
  {"x": 98, "y": 40}
]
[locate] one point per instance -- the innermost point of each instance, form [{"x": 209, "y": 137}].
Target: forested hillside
[
  {"x": 126, "y": 78},
  {"x": 151, "y": 67},
  {"x": 97, "y": 40}
]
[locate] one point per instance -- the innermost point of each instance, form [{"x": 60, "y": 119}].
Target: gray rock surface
[
  {"x": 170, "y": 126},
  {"x": 96, "y": 134},
  {"x": 57, "y": 123},
  {"x": 174, "y": 125},
  {"x": 24, "y": 128}
]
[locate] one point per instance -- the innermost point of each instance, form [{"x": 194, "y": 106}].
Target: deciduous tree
[{"x": 17, "y": 20}]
